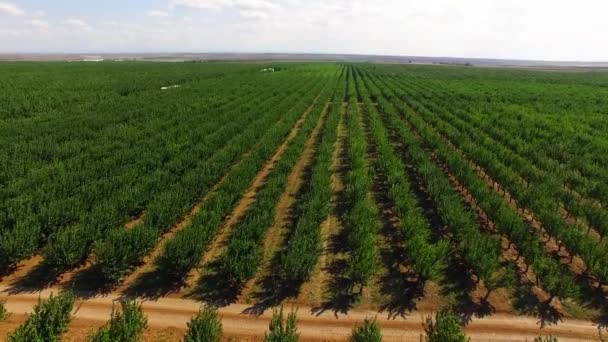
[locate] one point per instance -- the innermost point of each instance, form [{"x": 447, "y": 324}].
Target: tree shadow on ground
[
  {"x": 339, "y": 291},
  {"x": 272, "y": 290},
  {"x": 458, "y": 285},
  {"x": 594, "y": 297},
  {"x": 526, "y": 302},
  {"x": 38, "y": 278},
  {"x": 399, "y": 286},
  {"x": 402, "y": 290},
  {"x": 338, "y": 287},
  {"x": 154, "y": 284},
  {"x": 272, "y": 293},
  {"x": 602, "y": 319},
  {"x": 215, "y": 287},
  {"x": 89, "y": 283}
]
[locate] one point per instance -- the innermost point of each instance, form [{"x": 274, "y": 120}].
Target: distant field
[{"x": 334, "y": 187}]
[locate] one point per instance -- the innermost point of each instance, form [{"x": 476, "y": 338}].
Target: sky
[{"x": 559, "y": 30}]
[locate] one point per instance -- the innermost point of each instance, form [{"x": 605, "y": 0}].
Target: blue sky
[{"x": 524, "y": 29}]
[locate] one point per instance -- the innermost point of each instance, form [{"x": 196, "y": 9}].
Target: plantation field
[{"x": 348, "y": 190}]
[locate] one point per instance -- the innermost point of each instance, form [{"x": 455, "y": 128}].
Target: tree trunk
[{"x": 487, "y": 295}]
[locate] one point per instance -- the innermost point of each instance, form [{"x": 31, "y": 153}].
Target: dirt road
[{"x": 167, "y": 320}]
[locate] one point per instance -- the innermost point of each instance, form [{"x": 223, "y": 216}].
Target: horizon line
[{"x": 157, "y": 53}]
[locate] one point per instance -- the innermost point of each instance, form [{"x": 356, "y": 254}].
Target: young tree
[
  {"x": 447, "y": 327},
  {"x": 282, "y": 330},
  {"x": 368, "y": 332},
  {"x": 50, "y": 319},
  {"x": 546, "y": 339},
  {"x": 3, "y": 312},
  {"x": 600, "y": 335},
  {"x": 204, "y": 327},
  {"x": 126, "y": 325}
]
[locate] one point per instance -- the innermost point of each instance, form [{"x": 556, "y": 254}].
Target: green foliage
[
  {"x": 368, "y": 332},
  {"x": 184, "y": 251},
  {"x": 119, "y": 251},
  {"x": 538, "y": 140},
  {"x": 481, "y": 252},
  {"x": 245, "y": 248},
  {"x": 137, "y": 149},
  {"x": 361, "y": 218},
  {"x": 600, "y": 335},
  {"x": 303, "y": 248},
  {"x": 447, "y": 327},
  {"x": 18, "y": 243},
  {"x": 427, "y": 258},
  {"x": 282, "y": 329},
  {"x": 67, "y": 248},
  {"x": 125, "y": 325},
  {"x": 554, "y": 278},
  {"x": 206, "y": 326},
  {"x": 3, "y": 311},
  {"x": 546, "y": 339},
  {"x": 49, "y": 321}
]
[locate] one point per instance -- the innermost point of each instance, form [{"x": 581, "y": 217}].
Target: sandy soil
[{"x": 167, "y": 320}]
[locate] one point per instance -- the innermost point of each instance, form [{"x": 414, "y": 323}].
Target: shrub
[
  {"x": 49, "y": 320},
  {"x": 368, "y": 332},
  {"x": 204, "y": 327},
  {"x": 68, "y": 247},
  {"x": 18, "y": 243},
  {"x": 282, "y": 330},
  {"x": 447, "y": 327},
  {"x": 121, "y": 249},
  {"x": 3, "y": 312},
  {"x": 124, "y": 326},
  {"x": 546, "y": 339}
]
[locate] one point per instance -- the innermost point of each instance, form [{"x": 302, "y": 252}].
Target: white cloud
[
  {"x": 11, "y": 9},
  {"x": 39, "y": 14},
  {"x": 539, "y": 29},
  {"x": 254, "y": 4},
  {"x": 254, "y": 14},
  {"x": 220, "y": 4},
  {"x": 10, "y": 33},
  {"x": 158, "y": 14},
  {"x": 78, "y": 23},
  {"x": 202, "y": 4},
  {"x": 247, "y": 9},
  {"x": 38, "y": 24}
]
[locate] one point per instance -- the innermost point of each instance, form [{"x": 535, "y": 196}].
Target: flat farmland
[{"x": 345, "y": 190}]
